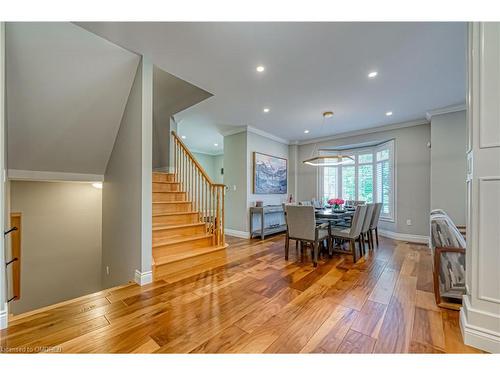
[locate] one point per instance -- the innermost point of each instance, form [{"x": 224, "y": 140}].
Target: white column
[
  {"x": 480, "y": 314},
  {"x": 3, "y": 171}
]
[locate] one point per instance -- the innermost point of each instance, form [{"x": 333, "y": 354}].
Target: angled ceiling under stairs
[{"x": 66, "y": 89}]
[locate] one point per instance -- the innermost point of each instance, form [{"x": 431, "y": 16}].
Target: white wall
[
  {"x": 127, "y": 195},
  {"x": 448, "y": 164},
  {"x": 61, "y": 241},
  {"x": 412, "y": 163}
]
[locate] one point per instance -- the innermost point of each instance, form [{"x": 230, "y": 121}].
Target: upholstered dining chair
[
  {"x": 353, "y": 233},
  {"x": 302, "y": 226},
  {"x": 365, "y": 230},
  {"x": 374, "y": 223}
]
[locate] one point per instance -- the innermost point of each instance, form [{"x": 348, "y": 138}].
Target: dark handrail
[
  {"x": 11, "y": 261},
  {"x": 10, "y": 230}
]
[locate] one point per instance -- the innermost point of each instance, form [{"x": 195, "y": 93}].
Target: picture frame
[{"x": 270, "y": 174}]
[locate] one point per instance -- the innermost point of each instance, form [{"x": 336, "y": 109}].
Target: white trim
[
  {"x": 444, "y": 110},
  {"x": 18, "y": 174},
  {"x": 267, "y": 135},
  {"x": 404, "y": 237},
  {"x": 162, "y": 169},
  {"x": 237, "y": 233},
  {"x": 378, "y": 129},
  {"x": 233, "y": 131},
  {"x": 477, "y": 337},
  {"x": 143, "y": 278},
  {"x": 4, "y": 316}
]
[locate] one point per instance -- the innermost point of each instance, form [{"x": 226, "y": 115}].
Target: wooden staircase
[{"x": 188, "y": 216}]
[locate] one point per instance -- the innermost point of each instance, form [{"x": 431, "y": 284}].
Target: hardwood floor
[{"x": 253, "y": 301}]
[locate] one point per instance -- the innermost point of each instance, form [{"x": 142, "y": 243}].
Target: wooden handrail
[
  {"x": 193, "y": 159},
  {"x": 206, "y": 197}
]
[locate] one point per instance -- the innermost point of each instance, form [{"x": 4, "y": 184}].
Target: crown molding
[
  {"x": 265, "y": 134},
  {"x": 444, "y": 110},
  {"x": 378, "y": 129},
  {"x": 196, "y": 151},
  {"x": 250, "y": 129},
  {"x": 18, "y": 174}
]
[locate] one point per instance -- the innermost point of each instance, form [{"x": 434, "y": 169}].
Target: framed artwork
[{"x": 269, "y": 174}]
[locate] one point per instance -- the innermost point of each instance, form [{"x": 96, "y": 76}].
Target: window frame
[{"x": 355, "y": 152}]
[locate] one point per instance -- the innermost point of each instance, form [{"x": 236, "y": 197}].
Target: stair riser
[
  {"x": 178, "y": 232},
  {"x": 174, "y": 268},
  {"x": 171, "y": 196},
  {"x": 160, "y": 188},
  {"x": 163, "y": 177},
  {"x": 162, "y": 208},
  {"x": 183, "y": 246},
  {"x": 176, "y": 219}
]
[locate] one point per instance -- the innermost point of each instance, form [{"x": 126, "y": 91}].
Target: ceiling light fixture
[
  {"x": 260, "y": 69},
  {"x": 388, "y": 113},
  {"x": 97, "y": 185},
  {"x": 372, "y": 74},
  {"x": 183, "y": 136},
  {"x": 216, "y": 144},
  {"x": 266, "y": 110},
  {"x": 327, "y": 114},
  {"x": 328, "y": 160},
  {"x": 306, "y": 131}
]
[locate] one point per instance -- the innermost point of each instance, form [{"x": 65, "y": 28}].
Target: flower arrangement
[{"x": 335, "y": 202}]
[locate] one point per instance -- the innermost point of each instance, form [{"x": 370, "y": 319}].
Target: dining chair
[
  {"x": 353, "y": 233},
  {"x": 370, "y": 209},
  {"x": 302, "y": 226},
  {"x": 374, "y": 222}
]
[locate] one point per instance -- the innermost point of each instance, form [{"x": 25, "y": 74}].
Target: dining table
[{"x": 333, "y": 215}]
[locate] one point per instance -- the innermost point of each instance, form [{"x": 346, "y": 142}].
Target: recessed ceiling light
[
  {"x": 266, "y": 110},
  {"x": 306, "y": 131},
  {"x": 388, "y": 113},
  {"x": 260, "y": 69},
  {"x": 372, "y": 74},
  {"x": 97, "y": 185},
  {"x": 183, "y": 136},
  {"x": 216, "y": 144},
  {"x": 327, "y": 114}
]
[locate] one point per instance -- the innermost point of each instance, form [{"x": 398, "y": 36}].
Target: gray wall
[
  {"x": 127, "y": 188},
  {"x": 235, "y": 178},
  {"x": 212, "y": 165},
  {"x": 61, "y": 241},
  {"x": 412, "y": 162},
  {"x": 3, "y": 291},
  {"x": 258, "y": 143},
  {"x": 448, "y": 164}
]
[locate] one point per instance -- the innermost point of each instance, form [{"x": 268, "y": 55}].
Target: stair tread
[
  {"x": 171, "y": 202},
  {"x": 186, "y": 254},
  {"x": 181, "y": 239},
  {"x": 162, "y": 226},
  {"x": 176, "y": 213},
  {"x": 165, "y": 182}
]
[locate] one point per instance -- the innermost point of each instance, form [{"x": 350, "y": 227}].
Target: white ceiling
[
  {"x": 66, "y": 89},
  {"x": 310, "y": 68}
]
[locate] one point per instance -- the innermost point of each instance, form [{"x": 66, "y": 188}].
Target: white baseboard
[
  {"x": 479, "y": 338},
  {"x": 236, "y": 233},
  {"x": 404, "y": 237},
  {"x": 143, "y": 278},
  {"x": 4, "y": 316}
]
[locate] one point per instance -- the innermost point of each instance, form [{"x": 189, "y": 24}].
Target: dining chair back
[
  {"x": 374, "y": 222},
  {"x": 365, "y": 231},
  {"x": 305, "y": 203},
  {"x": 358, "y": 221},
  {"x": 301, "y": 222}
]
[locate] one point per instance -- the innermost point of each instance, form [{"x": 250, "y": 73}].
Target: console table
[{"x": 266, "y": 220}]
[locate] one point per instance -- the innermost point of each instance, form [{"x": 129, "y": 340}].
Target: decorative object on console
[
  {"x": 259, "y": 203},
  {"x": 269, "y": 174}
]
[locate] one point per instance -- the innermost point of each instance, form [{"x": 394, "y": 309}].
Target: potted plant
[{"x": 336, "y": 203}]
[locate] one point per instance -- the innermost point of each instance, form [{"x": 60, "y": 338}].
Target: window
[{"x": 369, "y": 177}]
